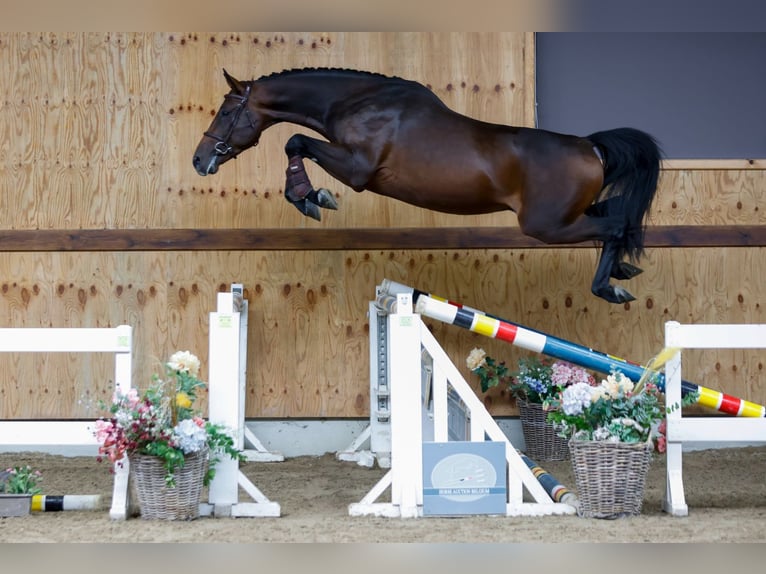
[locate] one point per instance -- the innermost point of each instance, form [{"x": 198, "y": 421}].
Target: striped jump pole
[
  {"x": 557, "y": 491},
  {"x": 538, "y": 342},
  {"x": 48, "y": 503}
]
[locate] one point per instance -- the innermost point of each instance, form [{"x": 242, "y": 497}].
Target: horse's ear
[{"x": 234, "y": 84}]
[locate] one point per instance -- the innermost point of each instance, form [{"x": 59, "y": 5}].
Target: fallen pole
[
  {"x": 48, "y": 503},
  {"x": 557, "y": 491}
]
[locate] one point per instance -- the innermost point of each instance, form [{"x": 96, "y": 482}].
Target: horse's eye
[{"x": 225, "y": 113}]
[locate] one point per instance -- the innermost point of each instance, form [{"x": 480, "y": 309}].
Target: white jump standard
[
  {"x": 408, "y": 340},
  {"x": 228, "y": 357}
]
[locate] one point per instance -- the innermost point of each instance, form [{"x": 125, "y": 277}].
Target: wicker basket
[
  {"x": 539, "y": 435},
  {"x": 610, "y": 477},
  {"x": 155, "y": 499}
]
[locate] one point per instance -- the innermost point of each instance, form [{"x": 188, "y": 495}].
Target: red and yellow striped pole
[{"x": 494, "y": 327}]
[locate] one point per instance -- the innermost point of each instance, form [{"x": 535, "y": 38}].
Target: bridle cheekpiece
[{"x": 222, "y": 146}]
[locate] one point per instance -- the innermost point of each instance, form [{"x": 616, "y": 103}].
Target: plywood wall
[{"x": 97, "y": 131}]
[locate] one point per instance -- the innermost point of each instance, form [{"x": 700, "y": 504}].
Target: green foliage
[
  {"x": 617, "y": 410},
  {"x": 536, "y": 380},
  {"x": 162, "y": 422},
  {"x": 20, "y": 480}
]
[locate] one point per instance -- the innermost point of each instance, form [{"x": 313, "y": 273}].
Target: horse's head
[{"x": 236, "y": 127}]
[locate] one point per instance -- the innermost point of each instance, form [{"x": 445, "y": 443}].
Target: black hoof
[
  {"x": 322, "y": 198},
  {"x": 624, "y": 270},
  {"x": 308, "y": 209},
  {"x": 325, "y": 199},
  {"x": 613, "y": 294}
]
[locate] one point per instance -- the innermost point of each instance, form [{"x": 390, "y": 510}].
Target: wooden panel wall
[{"x": 97, "y": 132}]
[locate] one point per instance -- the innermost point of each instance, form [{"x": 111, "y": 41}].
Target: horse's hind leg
[
  {"x": 621, "y": 270},
  {"x": 606, "y": 266},
  {"x": 607, "y": 230}
]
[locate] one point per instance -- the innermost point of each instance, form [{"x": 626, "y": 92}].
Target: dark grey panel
[{"x": 702, "y": 95}]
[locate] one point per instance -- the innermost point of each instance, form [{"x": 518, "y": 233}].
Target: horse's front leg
[
  {"x": 335, "y": 159},
  {"x": 300, "y": 192}
]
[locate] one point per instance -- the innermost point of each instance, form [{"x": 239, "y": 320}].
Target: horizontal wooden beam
[{"x": 349, "y": 239}]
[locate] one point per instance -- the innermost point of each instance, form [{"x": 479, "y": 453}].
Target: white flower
[
  {"x": 475, "y": 359},
  {"x": 616, "y": 384},
  {"x": 185, "y": 362},
  {"x": 575, "y": 398},
  {"x": 628, "y": 422},
  {"x": 602, "y": 433},
  {"x": 191, "y": 437}
]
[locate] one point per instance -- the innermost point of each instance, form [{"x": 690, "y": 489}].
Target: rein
[{"x": 223, "y": 147}]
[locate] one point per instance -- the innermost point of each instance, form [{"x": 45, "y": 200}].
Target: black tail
[{"x": 632, "y": 168}]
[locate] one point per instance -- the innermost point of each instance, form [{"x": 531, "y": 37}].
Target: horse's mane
[{"x": 340, "y": 71}]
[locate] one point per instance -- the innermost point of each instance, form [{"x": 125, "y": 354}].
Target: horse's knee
[{"x": 294, "y": 145}]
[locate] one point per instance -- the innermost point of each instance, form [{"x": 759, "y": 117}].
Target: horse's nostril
[{"x": 195, "y": 161}]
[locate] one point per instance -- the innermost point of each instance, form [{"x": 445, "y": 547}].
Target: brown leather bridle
[{"x": 222, "y": 147}]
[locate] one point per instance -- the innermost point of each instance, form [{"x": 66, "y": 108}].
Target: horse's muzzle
[{"x": 203, "y": 170}]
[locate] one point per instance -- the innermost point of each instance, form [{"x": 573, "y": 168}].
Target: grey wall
[{"x": 702, "y": 95}]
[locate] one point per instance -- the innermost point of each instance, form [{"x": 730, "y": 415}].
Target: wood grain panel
[
  {"x": 104, "y": 221},
  {"x": 710, "y": 197},
  {"x": 308, "y": 349}
]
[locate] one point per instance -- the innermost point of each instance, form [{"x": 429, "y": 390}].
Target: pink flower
[
  {"x": 133, "y": 398},
  {"x": 564, "y": 374},
  {"x": 103, "y": 430},
  {"x": 662, "y": 444}
]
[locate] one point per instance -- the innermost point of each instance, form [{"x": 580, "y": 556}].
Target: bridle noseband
[{"x": 222, "y": 146}]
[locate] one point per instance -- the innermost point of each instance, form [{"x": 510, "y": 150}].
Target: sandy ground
[{"x": 725, "y": 490}]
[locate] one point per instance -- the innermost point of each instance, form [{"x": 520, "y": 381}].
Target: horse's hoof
[
  {"x": 325, "y": 199},
  {"x": 624, "y": 270},
  {"x": 622, "y": 295},
  {"x": 308, "y": 209},
  {"x": 613, "y": 294}
]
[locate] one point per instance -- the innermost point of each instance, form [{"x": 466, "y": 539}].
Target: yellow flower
[{"x": 183, "y": 401}]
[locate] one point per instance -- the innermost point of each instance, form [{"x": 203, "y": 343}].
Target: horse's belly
[{"x": 429, "y": 189}]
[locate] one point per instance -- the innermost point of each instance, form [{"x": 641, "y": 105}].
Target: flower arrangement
[
  {"x": 162, "y": 421},
  {"x": 536, "y": 381},
  {"x": 617, "y": 410},
  {"x": 20, "y": 480}
]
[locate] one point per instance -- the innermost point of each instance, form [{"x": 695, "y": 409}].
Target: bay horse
[{"x": 396, "y": 138}]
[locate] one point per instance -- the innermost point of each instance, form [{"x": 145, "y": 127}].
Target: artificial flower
[{"x": 162, "y": 422}]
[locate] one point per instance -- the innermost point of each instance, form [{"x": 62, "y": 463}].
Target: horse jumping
[{"x": 396, "y": 138}]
